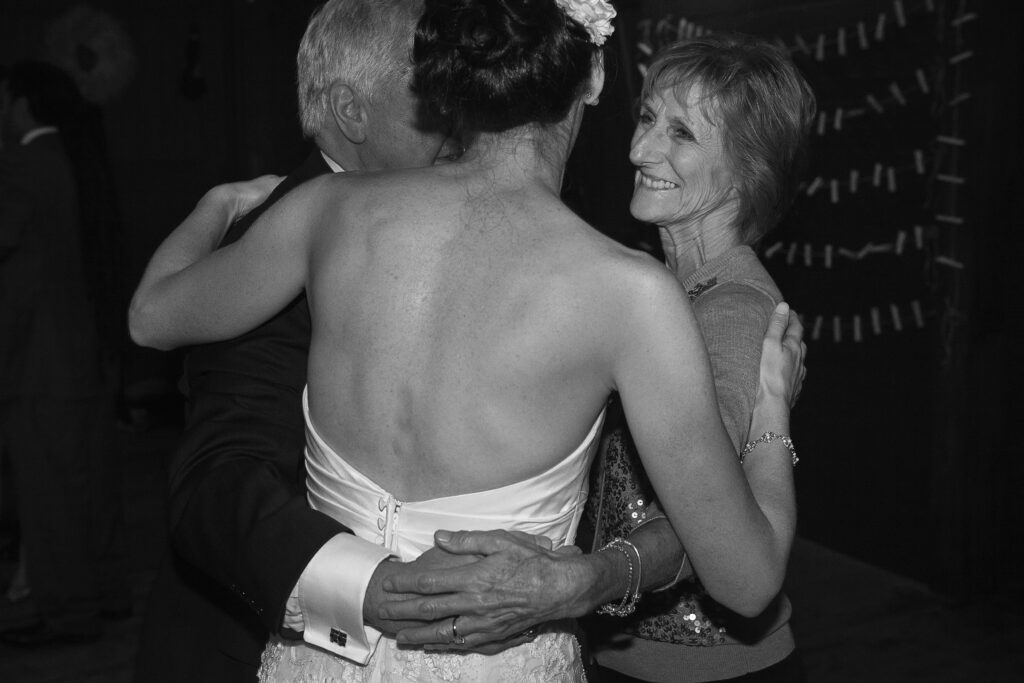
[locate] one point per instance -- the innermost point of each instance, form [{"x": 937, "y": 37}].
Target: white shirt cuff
[{"x": 331, "y": 591}]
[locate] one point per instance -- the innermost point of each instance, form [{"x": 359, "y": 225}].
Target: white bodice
[{"x": 550, "y": 503}]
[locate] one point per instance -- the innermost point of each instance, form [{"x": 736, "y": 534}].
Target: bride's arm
[
  {"x": 527, "y": 585},
  {"x": 192, "y": 292},
  {"x": 738, "y": 535}
]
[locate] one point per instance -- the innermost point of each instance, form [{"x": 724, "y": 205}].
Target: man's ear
[{"x": 348, "y": 112}]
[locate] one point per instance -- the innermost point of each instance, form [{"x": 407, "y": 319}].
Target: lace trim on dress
[{"x": 552, "y": 657}]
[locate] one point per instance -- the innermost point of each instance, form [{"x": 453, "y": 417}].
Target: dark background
[{"x": 911, "y": 456}]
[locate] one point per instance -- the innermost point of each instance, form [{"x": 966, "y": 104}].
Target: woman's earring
[{"x": 590, "y": 98}]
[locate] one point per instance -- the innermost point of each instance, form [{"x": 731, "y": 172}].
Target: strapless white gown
[{"x": 549, "y": 503}]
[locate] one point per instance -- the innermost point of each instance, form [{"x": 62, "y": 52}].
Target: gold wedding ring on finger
[{"x": 456, "y": 638}]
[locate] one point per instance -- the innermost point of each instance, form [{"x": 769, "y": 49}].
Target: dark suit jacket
[
  {"x": 241, "y": 529},
  {"x": 48, "y": 341}
]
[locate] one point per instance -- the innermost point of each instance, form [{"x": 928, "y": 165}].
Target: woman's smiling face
[{"x": 682, "y": 170}]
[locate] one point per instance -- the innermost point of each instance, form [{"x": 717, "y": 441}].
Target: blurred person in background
[{"x": 53, "y": 420}]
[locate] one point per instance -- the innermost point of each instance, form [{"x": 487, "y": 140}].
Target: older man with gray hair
[{"x": 249, "y": 555}]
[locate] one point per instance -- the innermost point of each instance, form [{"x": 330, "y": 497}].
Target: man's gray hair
[{"x": 363, "y": 43}]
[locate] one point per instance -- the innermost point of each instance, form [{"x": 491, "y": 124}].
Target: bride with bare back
[{"x": 468, "y": 329}]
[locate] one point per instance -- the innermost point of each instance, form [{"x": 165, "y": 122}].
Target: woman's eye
[
  {"x": 682, "y": 133},
  {"x": 646, "y": 117}
]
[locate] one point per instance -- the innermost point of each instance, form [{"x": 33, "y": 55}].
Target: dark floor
[{"x": 855, "y": 622}]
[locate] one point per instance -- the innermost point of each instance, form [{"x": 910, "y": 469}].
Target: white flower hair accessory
[{"x": 595, "y": 16}]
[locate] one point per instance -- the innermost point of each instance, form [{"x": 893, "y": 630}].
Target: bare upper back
[{"x": 456, "y": 342}]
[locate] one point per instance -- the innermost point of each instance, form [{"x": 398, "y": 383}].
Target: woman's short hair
[
  {"x": 496, "y": 65},
  {"x": 364, "y": 43},
  {"x": 752, "y": 89}
]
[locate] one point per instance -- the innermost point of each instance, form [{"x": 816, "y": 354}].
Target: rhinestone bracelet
[
  {"x": 627, "y": 605},
  {"x": 765, "y": 438}
]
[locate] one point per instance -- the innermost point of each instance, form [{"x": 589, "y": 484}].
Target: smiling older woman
[{"x": 718, "y": 147}]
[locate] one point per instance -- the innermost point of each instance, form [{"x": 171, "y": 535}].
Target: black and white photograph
[{"x": 548, "y": 341}]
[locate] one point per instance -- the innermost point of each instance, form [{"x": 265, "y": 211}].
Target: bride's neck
[{"x": 529, "y": 153}]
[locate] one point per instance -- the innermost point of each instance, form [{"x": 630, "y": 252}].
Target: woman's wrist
[
  {"x": 610, "y": 578},
  {"x": 767, "y": 438},
  {"x": 771, "y": 413}
]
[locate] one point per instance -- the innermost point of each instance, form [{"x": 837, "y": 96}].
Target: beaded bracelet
[
  {"x": 627, "y": 605},
  {"x": 765, "y": 438}
]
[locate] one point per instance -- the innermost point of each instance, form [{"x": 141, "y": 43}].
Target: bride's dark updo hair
[{"x": 495, "y": 65}]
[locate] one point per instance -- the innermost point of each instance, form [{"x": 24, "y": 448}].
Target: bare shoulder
[
  {"x": 337, "y": 199},
  {"x": 633, "y": 291},
  {"x": 388, "y": 194},
  {"x": 313, "y": 194},
  {"x": 343, "y": 187},
  {"x": 634, "y": 278},
  {"x": 333, "y": 189}
]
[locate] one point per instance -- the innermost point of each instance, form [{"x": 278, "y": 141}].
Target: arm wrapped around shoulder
[{"x": 736, "y": 529}]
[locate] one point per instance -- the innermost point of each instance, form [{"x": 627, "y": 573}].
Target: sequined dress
[{"x": 549, "y": 503}]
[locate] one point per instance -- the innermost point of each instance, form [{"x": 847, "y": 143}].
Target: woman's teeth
[{"x": 656, "y": 183}]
